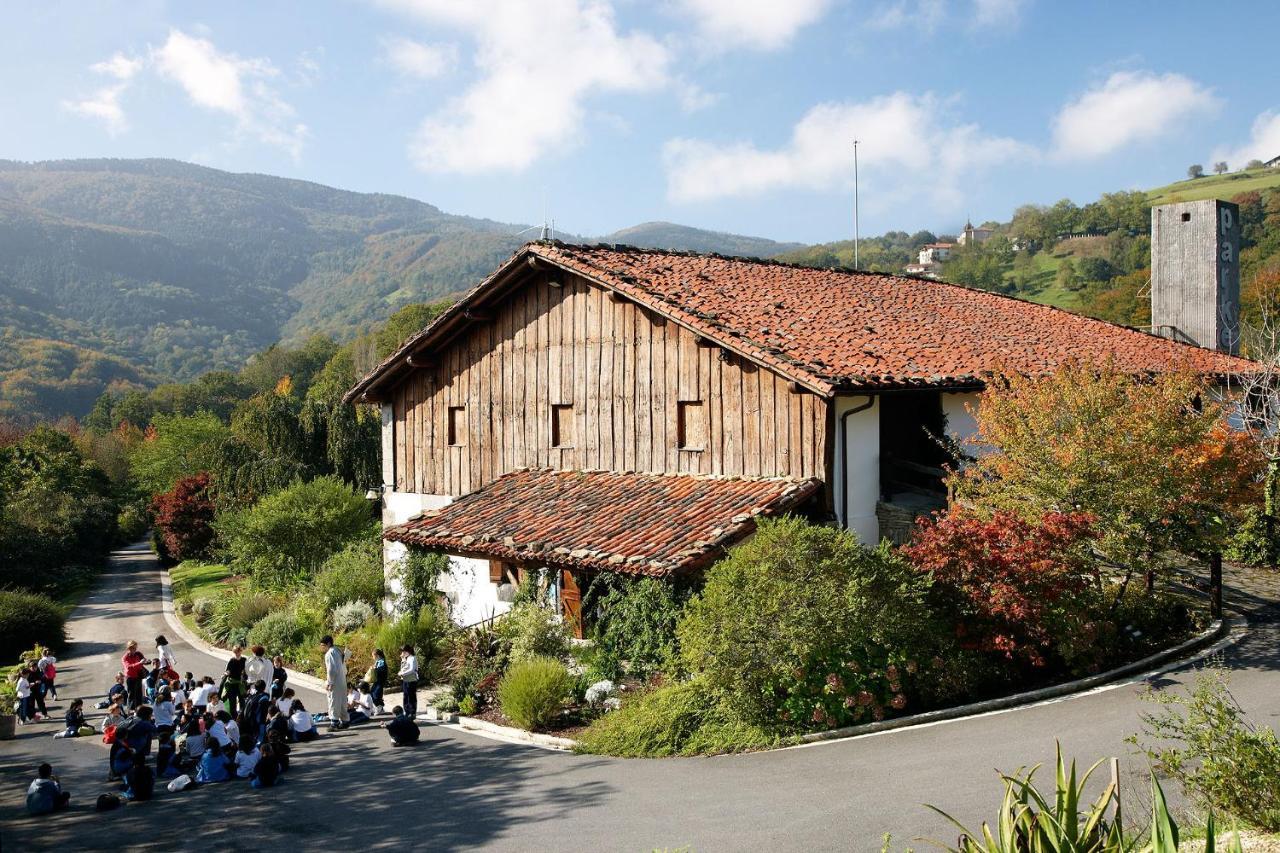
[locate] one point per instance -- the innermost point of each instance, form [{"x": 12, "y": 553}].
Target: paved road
[{"x": 458, "y": 791}]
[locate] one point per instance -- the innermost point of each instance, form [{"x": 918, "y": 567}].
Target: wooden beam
[
  {"x": 477, "y": 316},
  {"x": 797, "y": 388},
  {"x": 617, "y": 298},
  {"x": 414, "y": 361}
]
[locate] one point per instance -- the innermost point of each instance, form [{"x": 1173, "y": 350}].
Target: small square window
[
  {"x": 691, "y": 425},
  {"x": 457, "y": 426},
  {"x": 562, "y": 425},
  {"x": 1186, "y": 217}
]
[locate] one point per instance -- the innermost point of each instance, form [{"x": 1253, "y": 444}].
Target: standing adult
[
  {"x": 335, "y": 683},
  {"x": 378, "y": 678},
  {"x": 259, "y": 667},
  {"x": 409, "y": 681},
  {"x": 134, "y": 666},
  {"x": 233, "y": 683}
]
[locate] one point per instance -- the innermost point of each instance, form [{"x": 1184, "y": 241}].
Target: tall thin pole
[{"x": 855, "y": 204}]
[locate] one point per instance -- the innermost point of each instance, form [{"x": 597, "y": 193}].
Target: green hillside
[
  {"x": 1217, "y": 186},
  {"x": 178, "y": 269}
]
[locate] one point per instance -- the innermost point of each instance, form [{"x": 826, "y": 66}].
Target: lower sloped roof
[{"x": 643, "y": 524}]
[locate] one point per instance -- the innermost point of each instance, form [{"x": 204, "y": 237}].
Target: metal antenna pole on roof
[{"x": 855, "y": 204}]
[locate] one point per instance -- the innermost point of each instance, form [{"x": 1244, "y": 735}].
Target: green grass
[
  {"x": 193, "y": 579},
  {"x": 1216, "y": 186}
]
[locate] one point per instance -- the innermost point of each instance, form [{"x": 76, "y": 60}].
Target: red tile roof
[
  {"x": 839, "y": 331},
  {"x": 646, "y": 524}
]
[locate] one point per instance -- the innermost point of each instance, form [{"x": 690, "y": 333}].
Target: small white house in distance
[
  {"x": 590, "y": 409},
  {"x": 934, "y": 253}
]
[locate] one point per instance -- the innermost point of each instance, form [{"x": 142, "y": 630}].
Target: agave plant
[{"x": 1031, "y": 822}]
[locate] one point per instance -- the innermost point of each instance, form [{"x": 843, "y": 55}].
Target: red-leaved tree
[
  {"x": 183, "y": 518},
  {"x": 1005, "y": 577}
]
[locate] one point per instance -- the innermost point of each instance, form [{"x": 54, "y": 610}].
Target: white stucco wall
[
  {"x": 472, "y": 597},
  {"x": 857, "y": 452},
  {"x": 961, "y": 423}
]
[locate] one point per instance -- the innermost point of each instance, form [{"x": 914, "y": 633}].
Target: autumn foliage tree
[
  {"x": 1005, "y": 577},
  {"x": 183, "y": 518},
  {"x": 1151, "y": 459}
]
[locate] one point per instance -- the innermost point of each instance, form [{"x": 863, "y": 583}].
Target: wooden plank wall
[{"x": 623, "y": 370}]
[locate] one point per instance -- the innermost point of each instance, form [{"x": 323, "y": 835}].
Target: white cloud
[
  {"x": 228, "y": 84},
  {"x": 539, "y": 63},
  {"x": 759, "y": 24},
  {"x": 1263, "y": 144},
  {"x": 103, "y": 104},
  {"x": 997, "y": 13},
  {"x": 1130, "y": 107},
  {"x": 118, "y": 66},
  {"x": 920, "y": 15},
  {"x": 416, "y": 59},
  {"x": 904, "y": 146}
]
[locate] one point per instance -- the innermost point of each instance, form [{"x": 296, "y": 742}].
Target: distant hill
[
  {"x": 42, "y": 379},
  {"x": 169, "y": 269},
  {"x": 668, "y": 235},
  {"x": 1217, "y": 186}
]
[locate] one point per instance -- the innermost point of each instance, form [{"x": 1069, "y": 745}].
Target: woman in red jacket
[{"x": 135, "y": 670}]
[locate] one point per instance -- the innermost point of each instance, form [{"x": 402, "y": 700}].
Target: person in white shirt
[
  {"x": 361, "y": 707},
  {"x": 301, "y": 724},
  {"x": 233, "y": 730},
  {"x": 247, "y": 758},
  {"x": 409, "y": 681},
  {"x": 163, "y": 709},
  {"x": 176, "y": 692},
  {"x": 285, "y": 702},
  {"x": 335, "y": 675},
  {"x": 259, "y": 667},
  {"x": 24, "y": 698},
  {"x": 216, "y": 728},
  {"x": 200, "y": 698},
  {"x": 164, "y": 655}
]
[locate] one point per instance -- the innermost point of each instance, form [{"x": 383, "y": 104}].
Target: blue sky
[{"x": 736, "y": 115}]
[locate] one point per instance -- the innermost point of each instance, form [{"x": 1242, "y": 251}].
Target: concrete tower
[{"x": 1195, "y": 273}]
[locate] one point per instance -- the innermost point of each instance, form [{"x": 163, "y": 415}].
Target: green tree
[
  {"x": 285, "y": 538},
  {"x": 1195, "y": 171},
  {"x": 1254, "y": 164},
  {"x": 174, "y": 447},
  {"x": 1067, "y": 277},
  {"x": 1220, "y": 168}
]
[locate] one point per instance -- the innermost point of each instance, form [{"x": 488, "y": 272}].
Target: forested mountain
[
  {"x": 668, "y": 235},
  {"x": 162, "y": 270}
]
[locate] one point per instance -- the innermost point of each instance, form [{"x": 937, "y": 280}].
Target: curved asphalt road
[{"x": 458, "y": 791}]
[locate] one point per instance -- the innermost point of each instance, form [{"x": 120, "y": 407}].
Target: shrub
[
  {"x": 184, "y": 518},
  {"x": 531, "y": 630},
  {"x": 468, "y": 706},
  {"x": 285, "y": 537},
  {"x": 26, "y": 618},
  {"x": 1006, "y": 579},
  {"x": 676, "y": 719},
  {"x": 277, "y": 631},
  {"x": 532, "y": 692},
  {"x": 473, "y": 666},
  {"x": 1203, "y": 740},
  {"x": 203, "y": 609},
  {"x": 183, "y": 604},
  {"x": 636, "y": 622},
  {"x": 419, "y": 572},
  {"x": 795, "y": 624},
  {"x": 352, "y": 574},
  {"x": 1249, "y": 542},
  {"x": 352, "y": 615},
  {"x": 428, "y": 631},
  {"x": 235, "y": 613}
]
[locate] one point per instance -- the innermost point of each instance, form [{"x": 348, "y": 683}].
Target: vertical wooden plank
[
  {"x": 509, "y": 456},
  {"x": 581, "y": 427},
  {"x": 542, "y": 415},
  {"x": 750, "y": 377},
  {"x": 607, "y": 335},
  {"x": 591, "y": 381},
  {"x": 411, "y": 435},
  {"x": 643, "y": 405},
  {"x": 528, "y": 380},
  {"x": 711, "y": 392},
  {"x": 795, "y": 432},
  {"x": 672, "y": 344},
  {"x": 555, "y": 355},
  {"x": 660, "y": 405},
  {"x": 397, "y": 402},
  {"x": 732, "y": 448},
  {"x": 624, "y": 457},
  {"x": 431, "y": 437}
]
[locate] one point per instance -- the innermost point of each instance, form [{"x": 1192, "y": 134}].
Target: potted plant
[{"x": 8, "y": 719}]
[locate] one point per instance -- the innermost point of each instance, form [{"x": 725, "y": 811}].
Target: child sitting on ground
[
  {"x": 267, "y": 770},
  {"x": 304, "y": 728},
  {"x": 165, "y": 765},
  {"x": 116, "y": 693},
  {"x": 217, "y": 765},
  {"x": 74, "y": 720},
  {"x": 279, "y": 743},
  {"x": 360, "y": 706},
  {"x": 45, "y": 794},
  {"x": 403, "y": 731},
  {"x": 247, "y": 758}
]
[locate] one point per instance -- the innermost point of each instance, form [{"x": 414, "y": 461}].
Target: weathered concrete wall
[{"x": 1195, "y": 273}]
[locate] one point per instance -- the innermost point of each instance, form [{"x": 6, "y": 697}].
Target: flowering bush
[
  {"x": 183, "y": 518},
  {"x": 1006, "y": 579}
]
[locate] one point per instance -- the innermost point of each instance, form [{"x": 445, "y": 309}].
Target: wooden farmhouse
[{"x": 610, "y": 409}]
